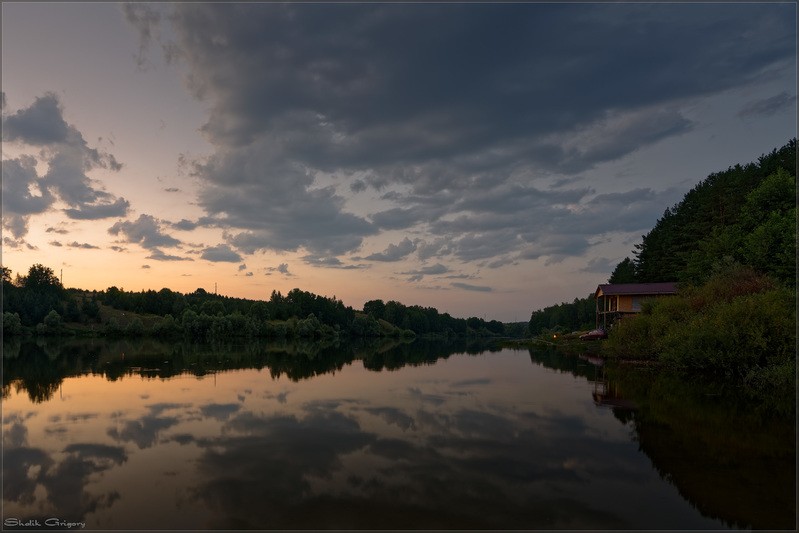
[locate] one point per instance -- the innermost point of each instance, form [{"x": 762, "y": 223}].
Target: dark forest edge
[
  {"x": 38, "y": 304},
  {"x": 730, "y": 243}
]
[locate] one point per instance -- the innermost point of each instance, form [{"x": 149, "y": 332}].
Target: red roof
[{"x": 614, "y": 289}]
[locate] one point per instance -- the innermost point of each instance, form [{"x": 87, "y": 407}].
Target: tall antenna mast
[{"x": 214, "y": 288}]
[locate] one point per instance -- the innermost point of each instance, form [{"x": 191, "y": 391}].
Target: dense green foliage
[
  {"x": 579, "y": 314},
  {"x": 740, "y": 325},
  {"x": 747, "y": 213},
  {"x": 37, "y": 303},
  {"x": 624, "y": 272},
  {"x": 33, "y": 296},
  {"x": 731, "y": 242}
]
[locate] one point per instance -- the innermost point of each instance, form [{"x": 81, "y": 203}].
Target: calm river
[{"x": 144, "y": 435}]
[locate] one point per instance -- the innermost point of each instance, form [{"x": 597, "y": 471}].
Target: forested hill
[{"x": 745, "y": 215}]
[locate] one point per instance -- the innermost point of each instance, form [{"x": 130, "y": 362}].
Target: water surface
[{"x": 143, "y": 435}]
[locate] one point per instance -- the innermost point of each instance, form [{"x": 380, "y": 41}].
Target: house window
[{"x": 636, "y": 303}]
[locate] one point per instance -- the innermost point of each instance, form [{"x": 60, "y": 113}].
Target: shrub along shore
[{"x": 739, "y": 326}]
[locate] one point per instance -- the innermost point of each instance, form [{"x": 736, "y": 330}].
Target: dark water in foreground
[{"x": 143, "y": 435}]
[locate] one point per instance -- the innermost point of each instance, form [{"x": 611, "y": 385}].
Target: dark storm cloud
[
  {"x": 334, "y": 78},
  {"x": 396, "y": 218},
  {"x": 221, "y": 253},
  {"x": 446, "y": 98},
  {"x": 252, "y": 189}
]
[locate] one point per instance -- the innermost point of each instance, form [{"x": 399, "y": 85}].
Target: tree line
[{"x": 37, "y": 302}]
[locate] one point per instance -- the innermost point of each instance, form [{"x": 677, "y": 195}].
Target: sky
[{"x": 486, "y": 159}]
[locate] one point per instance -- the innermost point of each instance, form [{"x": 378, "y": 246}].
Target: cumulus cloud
[
  {"x": 158, "y": 255},
  {"x": 145, "y": 231},
  {"x": 185, "y": 225},
  {"x": 69, "y": 158},
  {"x": 221, "y": 253},
  {"x": 419, "y": 274},
  {"x": 394, "y": 252},
  {"x": 282, "y": 268},
  {"x": 40, "y": 124},
  {"x": 117, "y": 208},
  {"x": 19, "y": 202}
]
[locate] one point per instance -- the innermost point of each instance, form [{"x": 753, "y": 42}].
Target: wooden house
[{"x": 617, "y": 300}]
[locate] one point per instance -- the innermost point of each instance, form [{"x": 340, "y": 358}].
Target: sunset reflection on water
[{"x": 471, "y": 441}]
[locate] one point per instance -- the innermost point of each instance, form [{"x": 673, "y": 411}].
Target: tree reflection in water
[{"x": 469, "y": 467}]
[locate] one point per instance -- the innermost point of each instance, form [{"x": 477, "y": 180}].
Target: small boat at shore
[{"x": 594, "y": 334}]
